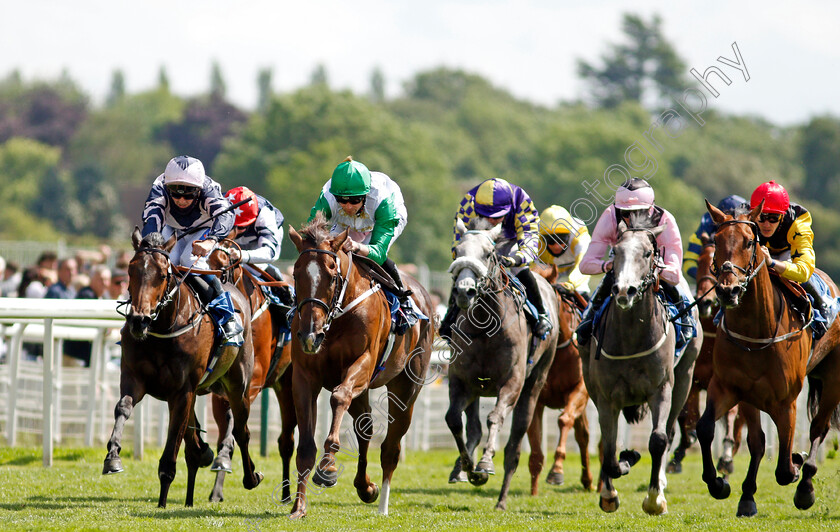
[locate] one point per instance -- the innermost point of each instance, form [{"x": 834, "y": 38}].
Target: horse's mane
[
  {"x": 480, "y": 223},
  {"x": 740, "y": 211},
  {"x": 153, "y": 240},
  {"x": 316, "y": 230}
]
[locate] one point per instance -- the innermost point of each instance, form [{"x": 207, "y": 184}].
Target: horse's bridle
[
  {"x": 333, "y": 309},
  {"x": 168, "y": 294},
  {"x": 752, "y": 267},
  {"x": 650, "y": 278}
]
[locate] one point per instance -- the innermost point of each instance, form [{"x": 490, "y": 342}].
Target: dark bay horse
[
  {"x": 763, "y": 363},
  {"x": 272, "y": 369},
  {"x": 564, "y": 390},
  {"x": 167, "y": 343},
  {"x": 490, "y": 343},
  {"x": 629, "y": 363},
  {"x": 687, "y": 420},
  {"x": 340, "y": 342}
]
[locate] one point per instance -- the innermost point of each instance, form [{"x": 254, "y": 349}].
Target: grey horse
[
  {"x": 490, "y": 346},
  {"x": 629, "y": 364}
]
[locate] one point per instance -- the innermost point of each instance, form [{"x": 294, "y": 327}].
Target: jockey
[
  {"x": 371, "y": 205},
  {"x": 506, "y": 204},
  {"x": 183, "y": 197},
  {"x": 788, "y": 245},
  {"x": 707, "y": 226},
  {"x": 258, "y": 229},
  {"x": 633, "y": 195},
  {"x": 564, "y": 240}
]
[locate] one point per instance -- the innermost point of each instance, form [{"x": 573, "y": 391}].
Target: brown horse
[
  {"x": 687, "y": 420},
  {"x": 564, "y": 390},
  {"x": 340, "y": 343},
  {"x": 763, "y": 363},
  {"x": 167, "y": 344},
  {"x": 272, "y": 360}
]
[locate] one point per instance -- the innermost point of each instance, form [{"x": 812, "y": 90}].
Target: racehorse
[
  {"x": 629, "y": 363},
  {"x": 340, "y": 342},
  {"x": 687, "y": 420},
  {"x": 272, "y": 360},
  {"x": 167, "y": 344},
  {"x": 763, "y": 363},
  {"x": 490, "y": 346},
  {"x": 564, "y": 390}
]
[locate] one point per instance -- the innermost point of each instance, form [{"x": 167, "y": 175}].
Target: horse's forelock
[
  {"x": 153, "y": 240},
  {"x": 316, "y": 230},
  {"x": 480, "y": 223}
]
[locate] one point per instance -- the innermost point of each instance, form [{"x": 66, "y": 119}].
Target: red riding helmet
[
  {"x": 776, "y": 200},
  {"x": 245, "y": 213}
]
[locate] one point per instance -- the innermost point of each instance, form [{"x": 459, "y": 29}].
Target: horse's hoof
[
  {"x": 725, "y": 466},
  {"x": 555, "y": 479},
  {"x": 485, "y": 466},
  {"x": 259, "y": 478},
  {"x": 325, "y": 479},
  {"x": 222, "y": 463},
  {"x": 478, "y": 479},
  {"x": 207, "y": 457},
  {"x": 720, "y": 489},
  {"x": 656, "y": 505},
  {"x": 630, "y": 456},
  {"x": 501, "y": 506},
  {"x": 369, "y": 498},
  {"x": 112, "y": 465},
  {"x": 746, "y": 508},
  {"x": 299, "y": 514},
  {"x": 609, "y": 505},
  {"x": 458, "y": 476},
  {"x": 673, "y": 467},
  {"x": 214, "y": 497},
  {"x": 804, "y": 497}
]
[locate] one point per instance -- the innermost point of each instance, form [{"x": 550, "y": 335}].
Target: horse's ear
[
  {"x": 754, "y": 214},
  {"x": 717, "y": 215},
  {"x": 339, "y": 240},
  {"x": 622, "y": 226},
  {"x": 296, "y": 239},
  {"x": 657, "y": 230},
  {"x": 495, "y": 233},
  {"x": 460, "y": 227},
  {"x": 170, "y": 243},
  {"x": 136, "y": 238}
]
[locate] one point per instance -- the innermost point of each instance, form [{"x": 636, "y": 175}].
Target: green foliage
[
  {"x": 820, "y": 155},
  {"x": 647, "y": 62}
]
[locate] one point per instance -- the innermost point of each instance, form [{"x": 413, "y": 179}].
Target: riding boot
[
  {"x": 403, "y": 296},
  {"x": 683, "y": 325},
  {"x": 445, "y": 329},
  {"x": 824, "y": 305},
  {"x": 584, "y": 330},
  {"x": 284, "y": 293},
  {"x": 221, "y": 300},
  {"x": 543, "y": 324}
]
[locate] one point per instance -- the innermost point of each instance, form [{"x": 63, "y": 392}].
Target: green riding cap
[{"x": 350, "y": 178}]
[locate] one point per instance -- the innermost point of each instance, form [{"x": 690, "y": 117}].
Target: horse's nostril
[
  {"x": 736, "y": 290},
  {"x": 631, "y": 292},
  {"x": 471, "y": 292},
  {"x": 614, "y": 290}
]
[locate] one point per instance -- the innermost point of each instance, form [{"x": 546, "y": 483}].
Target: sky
[{"x": 528, "y": 47}]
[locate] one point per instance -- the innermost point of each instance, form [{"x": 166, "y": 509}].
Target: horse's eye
[
  {"x": 648, "y": 253},
  {"x": 750, "y": 244}
]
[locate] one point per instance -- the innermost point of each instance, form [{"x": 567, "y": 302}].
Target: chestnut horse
[
  {"x": 272, "y": 359},
  {"x": 167, "y": 344},
  {"x": 763, "y": 363},
  {"x": 340, "y": 342},
  {"x": 687, "y": 420},
  {"x": 564, "y": 390}
]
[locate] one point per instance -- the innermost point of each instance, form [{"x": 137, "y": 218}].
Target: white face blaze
[{"x": 314, "y": 273}]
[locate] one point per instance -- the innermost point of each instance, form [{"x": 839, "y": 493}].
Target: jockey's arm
[
  {"x": 527, "y": 230},
  {"x": 803, "y": 259},
  {"x": 270, "y": 235},
  {"x": 579, "y": 246},
  {"x": 670, "y": 244},
  {"x": 386, "y": 221},
  {"x": 154, "y": 210},
  {"x": 603, "y": 237},
  {"x": 465, "y": 213}
]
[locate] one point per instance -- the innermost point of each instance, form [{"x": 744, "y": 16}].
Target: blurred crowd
[{"x": 85, "y": 275}]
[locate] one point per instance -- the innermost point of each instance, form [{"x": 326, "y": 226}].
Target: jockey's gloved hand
[{"x": 511, "y": 262}]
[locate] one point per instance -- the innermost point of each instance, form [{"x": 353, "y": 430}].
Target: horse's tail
[
  {"x": 636, "y": 413},
  {"x": 815, "y": 389}
]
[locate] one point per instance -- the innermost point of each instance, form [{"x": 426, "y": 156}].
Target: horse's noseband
[
  {"x": 334, "y": 307},
  {"x": 729, "y": 267}
]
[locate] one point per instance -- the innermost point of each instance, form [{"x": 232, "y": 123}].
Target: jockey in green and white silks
[{"x": 371, "y": 206}]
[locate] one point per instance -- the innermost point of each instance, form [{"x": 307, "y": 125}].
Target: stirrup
[
  {"x": 543, "y": 326},
  {"x": 232, "y": 332}
]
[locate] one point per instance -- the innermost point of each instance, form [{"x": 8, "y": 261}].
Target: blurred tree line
[{"x": 72, "y": 169}]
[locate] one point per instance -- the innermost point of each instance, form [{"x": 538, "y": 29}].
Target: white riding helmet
[
  {"x": 184, "y": 170},
  {"x": 634, "y": 194}
]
